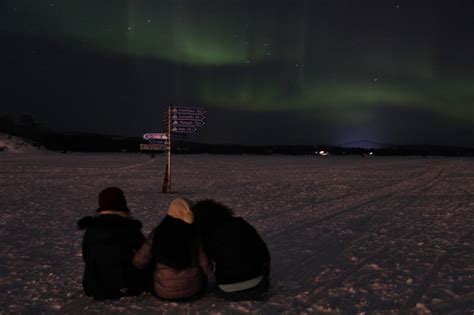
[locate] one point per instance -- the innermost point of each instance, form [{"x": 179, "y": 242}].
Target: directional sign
[
  {"x": 176, "y": 136},
  {"x": 153, "y": 147},
  {"x": 157, "y": 141},
  {"x": 188, "y": 117},
  {"x": 188, "y": 110},
  {"x": 184, "y": 123},
  {"x": 184, "y": 129},
  {"x": 148, "y": 136}
]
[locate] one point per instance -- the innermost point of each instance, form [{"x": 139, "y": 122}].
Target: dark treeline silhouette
[
  {"x": 25, "y": 126},
  {"x": 90, "y": 142},
  {"x": 22, "y": 126}
]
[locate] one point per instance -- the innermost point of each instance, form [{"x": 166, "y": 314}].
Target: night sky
[{"x": 269, "y": 72}]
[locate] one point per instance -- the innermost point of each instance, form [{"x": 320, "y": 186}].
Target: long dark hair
[
  {"x": 175, "y": 244},
  {"x": 209, "y": 215}
]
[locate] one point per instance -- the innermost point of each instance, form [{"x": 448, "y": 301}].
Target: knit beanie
[
  {"x": 180, "y": 208},
  {"x": 112, "y": 198}
]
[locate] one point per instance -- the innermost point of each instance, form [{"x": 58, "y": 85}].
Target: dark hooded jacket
[
  {"x": 238, "y": 251},
  {"x": 108, "y": 246}
]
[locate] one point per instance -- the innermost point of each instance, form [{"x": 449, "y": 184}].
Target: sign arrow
[
  {"x": 188, "y": 110},
  {"x": 177, "y": 136},
  {"x": 179, "y": 129},
  {"x": 148, "y": 136},
  {"x": 153, "y": 147},
  {"x": 184, "y": 123},
  {"x": 188, "y": 117},
  {"x": 158, "y": 141}
]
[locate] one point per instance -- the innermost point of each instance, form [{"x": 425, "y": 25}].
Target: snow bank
[{"x": 14, "y": 144}]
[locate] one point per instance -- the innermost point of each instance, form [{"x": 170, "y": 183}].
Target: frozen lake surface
[{"x": 346, "y": 234}]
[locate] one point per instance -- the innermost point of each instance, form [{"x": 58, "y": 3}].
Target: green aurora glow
[{"x": 315, "y": 61}]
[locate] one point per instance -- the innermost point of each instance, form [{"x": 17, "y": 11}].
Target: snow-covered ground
[
  {"x": 14, "y": 144},
  {"x": 346, "y": 234}
]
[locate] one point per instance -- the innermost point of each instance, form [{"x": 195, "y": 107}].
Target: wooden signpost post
[{"x": 179, "y": 120}]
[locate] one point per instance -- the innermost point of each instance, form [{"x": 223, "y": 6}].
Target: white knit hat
[{"x": 180, "y": 208}]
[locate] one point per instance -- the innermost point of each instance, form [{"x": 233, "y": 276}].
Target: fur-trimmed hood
[
  {"x": 105, "y": 220},
  {"x": 180, "y": 208}
]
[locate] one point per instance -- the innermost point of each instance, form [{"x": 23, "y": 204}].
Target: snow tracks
[{"x": 346, "y": 234}]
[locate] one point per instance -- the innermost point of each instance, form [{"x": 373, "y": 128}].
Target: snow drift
[{"x": 15, "y": 144}]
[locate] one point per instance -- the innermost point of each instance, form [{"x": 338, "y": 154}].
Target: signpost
[
  {"x": 180, "y": 121},
  {"x": 167, "y": 179}
]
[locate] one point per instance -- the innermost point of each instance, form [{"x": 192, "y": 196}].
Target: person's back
[
  {"x": 174, "y": 249},
  {"x": 108, "y": 246},
  {"x": 240, "y": 256},
  {"x": 237, "y": 250}
]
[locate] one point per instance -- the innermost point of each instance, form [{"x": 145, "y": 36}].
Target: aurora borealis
[{"x": 301, "y": 71}]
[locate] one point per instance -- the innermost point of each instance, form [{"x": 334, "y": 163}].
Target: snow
[
  {"x": 14, "y": 144},
  {"x": 346, "y": 234}
]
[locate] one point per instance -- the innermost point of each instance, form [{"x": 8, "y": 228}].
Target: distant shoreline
[{"x": 86, "y": 142}]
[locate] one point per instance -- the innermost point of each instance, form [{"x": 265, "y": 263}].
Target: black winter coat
[
  {"x": 108, "y": 247},
  {"x": 237, "y": 250}
]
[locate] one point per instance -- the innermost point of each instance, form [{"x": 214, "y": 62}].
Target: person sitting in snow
[
  {"x": 240, "y": 256},
  {"x": 174, "y": 249},
  {"x": 111, "y": 239}
]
